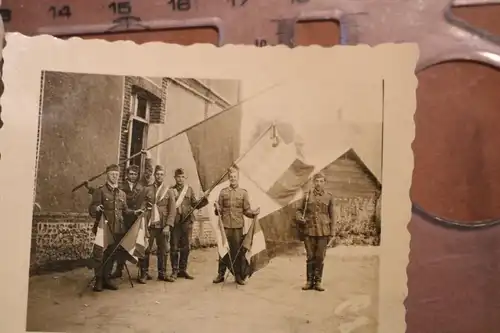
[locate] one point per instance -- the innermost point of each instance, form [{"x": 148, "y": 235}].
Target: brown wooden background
[{"x": 454, "y": 275}]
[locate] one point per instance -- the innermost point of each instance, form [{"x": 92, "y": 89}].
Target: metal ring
[{"x": 447, "y": 223}]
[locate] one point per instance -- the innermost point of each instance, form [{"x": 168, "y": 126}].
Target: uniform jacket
[
  {"x": 135, "y": 196},
  {"x": 166, "y": 206},
  {"x": 115, "y": 206},
  {"x": 318, "y": 213},
  {"x": 234, "y": 205},
  {"x": 187, "y": 205}
]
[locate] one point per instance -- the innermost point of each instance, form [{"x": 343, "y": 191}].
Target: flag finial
[{"x": 274, "y": 135}]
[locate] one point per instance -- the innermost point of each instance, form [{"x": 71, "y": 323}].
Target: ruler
[
  {"x": 456, "y": 100},
  {"x": 215, "y": 21},
  {"x": 445, "y": 31}
]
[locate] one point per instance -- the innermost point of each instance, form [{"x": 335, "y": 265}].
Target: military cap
[
  {"x": 133, "y": 168},
  {"x": 319, "y": 175},
  {"x": 112, "y": 167},
  {"x": 159, "y": 168},
  {"x": 179, "y": 172}
]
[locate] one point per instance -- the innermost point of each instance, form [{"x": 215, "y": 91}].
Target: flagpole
[
  {"x": 114, "y": 250},
  {"x": 241, "y": 245},
  {"x": 225, "y": 173},
  {"x": 231, "y": 263},
  {"x": 181, "y": 132},
  {"x": 199, "y": 201}
]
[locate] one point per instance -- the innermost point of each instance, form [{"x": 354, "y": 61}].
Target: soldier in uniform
[
  {"x": 233, "y": 204},
  {"x": 315, "y": 218},
  {"x": 160, "y": 203},
  {"x": 146, "y": 179},
  {"x": 180, "y": 240},
  {"x": 109, "y": 200},
  {"x": 135, "y": 194}
]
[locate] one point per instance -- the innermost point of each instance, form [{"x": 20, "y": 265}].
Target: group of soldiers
[{"x": 168, "y": 211}]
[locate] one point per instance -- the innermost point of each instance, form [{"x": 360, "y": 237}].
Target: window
[{"x": 138, "y": 127}]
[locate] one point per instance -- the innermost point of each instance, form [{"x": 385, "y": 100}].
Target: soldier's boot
[
  {"x": 318, "y": 276},
  {"x": 174, "y": 259},
  {"x": 240, "y": 280},
  {"x": 168, "y": 278},
  {"x": 106, "y": 283},
  {"x": 98, "y": 281},
  {"x": 221, "y": 273},
  {"x": 162, "y": 269},
  {"x": 184, "y": 255},
  {"x": 162, "y": 266},
  {"x": 142, "y": 278},
  {"x": 146, "y": 267},
  {"x": 310, "y": 277},
  {"x": 118, "y": 273},
  {"x": 142, "y": 273},
  {"x": 238, "y": 276}
]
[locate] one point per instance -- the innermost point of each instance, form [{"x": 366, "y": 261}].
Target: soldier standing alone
[
  {"x": 315, "y": 218},
  {"x": 110, "y": 201},
  {"x": 232, "y": 206},
  {"x": 180, "y": 239}
]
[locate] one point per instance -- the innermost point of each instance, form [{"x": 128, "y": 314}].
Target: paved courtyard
[{"x": 271, "y": 302}]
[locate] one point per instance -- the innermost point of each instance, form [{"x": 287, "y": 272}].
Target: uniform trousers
[
  {"x": 105, "y": 259},
  {"x": 315, "y": 252},
  {"x": 236, "y": 255},
  {"x": 180, "y": 246},
  {"x": 121, "y": 259},
  {"x": 157, "y": 236}
]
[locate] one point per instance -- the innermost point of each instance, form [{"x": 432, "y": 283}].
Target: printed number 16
[{"x": 180, "y": 5}]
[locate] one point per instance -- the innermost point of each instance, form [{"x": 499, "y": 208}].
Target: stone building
[{"x": 89, "y": 121}]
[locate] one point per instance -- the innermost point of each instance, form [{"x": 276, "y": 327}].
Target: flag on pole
[
  {"x": 103, "y": 239},
  {"x": 215, "y": 144},
  {"x": 272, "y": 174},
  {"x": 135, "y": 242},
  {"x": 274, "y": 166},
  {"x": 220, "y": 236},
  {"x": 254, "y": 245}
]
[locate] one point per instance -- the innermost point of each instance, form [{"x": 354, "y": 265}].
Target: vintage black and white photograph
[
  {"x": 159, "y": 188},
  {"x": 187, "y": 204}
]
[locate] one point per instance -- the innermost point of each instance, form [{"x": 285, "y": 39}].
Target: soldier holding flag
[
  {"x": 232, "y": 206},
  {"x": 180, "y": 240},
  {"x": 109, "y": 202},
  {"x": 160, "y": 202},
  {"x": 135, "y": 194},
  {"x": 315, "y": 218}
]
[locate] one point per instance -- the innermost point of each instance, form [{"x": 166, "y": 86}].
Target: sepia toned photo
[{"x": 164, "y": 201}]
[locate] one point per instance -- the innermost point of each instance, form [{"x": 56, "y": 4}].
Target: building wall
[
  {"x": 61, "y": 233},
  {"x": 79, "y": 134},
  {"x": 184, "y": 108}
]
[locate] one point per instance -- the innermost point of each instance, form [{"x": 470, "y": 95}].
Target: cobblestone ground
[{"x": 271, "y": 302}]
